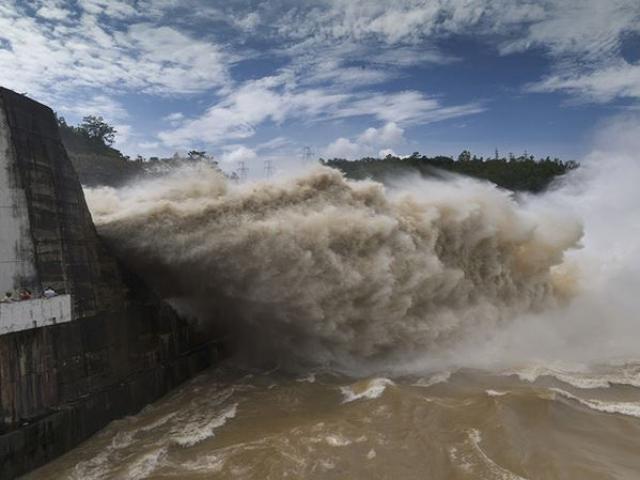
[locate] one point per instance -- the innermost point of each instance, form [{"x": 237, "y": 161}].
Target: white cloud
[
  {"x": 113, "y": 8},
  {"x": 408, "y": 107},
  {"x": 247, "y": 22},
  {"x": 238, "y": 153},
  {"x": 86, "y": 52},
  {"x": 621, "y": 79},
  {"x": 581, "y": 38},
  {"x": 123, "y": 135},
  {"x": 584, "y": 39},
  {"x": 237, "y": 114},
  {"x": 591, "y": 29},
  {"x": 52, "y": 12},
  {"x": 149, "y": 145},
  {"x": 333, "y": 55},
  {"x": 401, "y": 21},
  {"x": 369, "y": 142},
  {"x": 343, "y": 148},
  {"x": 390, "y": 134},
  {"x": 101, "y": 105},
  {"x": 274, "y": 144},
  {"x": 174, "y": 117},
  {"x": 386, "y": 151},
  {"x": 277, "y": 99}
]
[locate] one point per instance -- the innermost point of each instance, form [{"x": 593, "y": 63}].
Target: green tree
[
  {"x": 197, "y": 155},
  {"x": 465, "y": 156},
  {"x": 97, "y": 129}
]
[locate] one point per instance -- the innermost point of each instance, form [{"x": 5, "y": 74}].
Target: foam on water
[
  {"x": 434, "y": 379},
  {"x": 310, "y": 378},
  {"x": 497, "y": 472},
  {"x": 365, "y": 389},
  {"x": 471, "y": 459},
  {"x": 496, "y": 393},
  {"x": 202, "y": 428},
  {"x": 583, "y": 376},
  {"x": 336, "y": 440},
  {"x": 631, "y": 409},
  {"x": 205, "y": 464},
  {"x": 145, "y": 464}
]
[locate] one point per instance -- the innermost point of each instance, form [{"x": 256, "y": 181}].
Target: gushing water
[{"x": 333, "y": 271}]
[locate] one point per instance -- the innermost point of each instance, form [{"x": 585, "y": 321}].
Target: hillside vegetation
[
  {"x": 93, "y": 157},
  {"x": 89, "y": 146},
  {"x": 524, "y": 173}
]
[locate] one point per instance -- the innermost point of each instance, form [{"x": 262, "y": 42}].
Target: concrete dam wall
[{"x": 107, "y": 345}]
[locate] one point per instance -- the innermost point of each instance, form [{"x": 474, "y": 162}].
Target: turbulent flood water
[{"x": 529, "y": 423}]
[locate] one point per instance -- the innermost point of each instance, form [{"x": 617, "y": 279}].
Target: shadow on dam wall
[{"x": 123, "y": 347}]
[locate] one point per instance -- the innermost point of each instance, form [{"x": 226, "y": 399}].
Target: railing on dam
[{"x": 39, "y": 312}]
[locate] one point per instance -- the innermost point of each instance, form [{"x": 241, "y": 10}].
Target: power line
[
  {"x": 307, "y": 154},
  {"x": 243, "y": 171},
  {"x": 268, "y": 168}
]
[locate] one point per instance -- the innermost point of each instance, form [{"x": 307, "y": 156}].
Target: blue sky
[{"x": 249, "y": 81}]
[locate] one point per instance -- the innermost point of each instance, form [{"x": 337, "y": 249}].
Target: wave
[
  {"x": 472, "y": 459},
  {"x": 368, "y": 389},
  {"x": 631, "y": 409},
  {"x": 200, "y": 429},
  {"x": 584, "y": 377},
  {"x": 436, "y": 378}
]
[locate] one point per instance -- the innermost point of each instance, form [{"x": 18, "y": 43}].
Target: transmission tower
[
  {"x": 268, "y": 168},
  {"x": 307, "y": 154},
  {"x": 243, "y": 171}
]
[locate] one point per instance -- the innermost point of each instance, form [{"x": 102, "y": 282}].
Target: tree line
[
  {"x": 521, "y": 173},
  {"x": 90, "y": 147}
]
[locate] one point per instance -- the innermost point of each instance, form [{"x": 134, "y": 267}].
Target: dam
[{"x": 103, "y": 346}]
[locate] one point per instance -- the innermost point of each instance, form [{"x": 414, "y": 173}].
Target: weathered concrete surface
[
  {"x": 17, "y": 256},
  {"x": 123, "y": 347},
  {"x": 34, "y": 313},
  {"x": 64, "y": 383},
  {"x": 68, "y": 254}
]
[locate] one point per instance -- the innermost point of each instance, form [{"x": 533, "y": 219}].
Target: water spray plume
[{"x": 323, "y": 269}]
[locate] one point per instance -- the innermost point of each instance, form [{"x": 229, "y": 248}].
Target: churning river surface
[{"x": 526, "y": 423}]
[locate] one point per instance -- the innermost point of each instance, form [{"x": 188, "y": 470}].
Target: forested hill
[
  {"x": 524, "y": 173},
  {"x": 89, "y": 145},
  {"x": 93, "y": 157},
  {"x": 98, "y": 163}
]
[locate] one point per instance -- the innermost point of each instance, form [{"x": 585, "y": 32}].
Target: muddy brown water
[{"x": 529, "y": 423}]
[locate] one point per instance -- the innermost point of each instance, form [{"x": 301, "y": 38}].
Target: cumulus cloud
[
  {"x": 332, "y": 59},
  {"x": 369, "y": 142},
  {"x": 174, "y": 118},
  {"x": 238, "y": 153},
  {"x": 390, "y": 134},
  {"x": 387, "y": 151},
  {"x": 343, "y": 148},
  {"x": 279, "y": 98},
  {"x": 52, "y": 12},
  {"x": 84, "y": 50}
]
